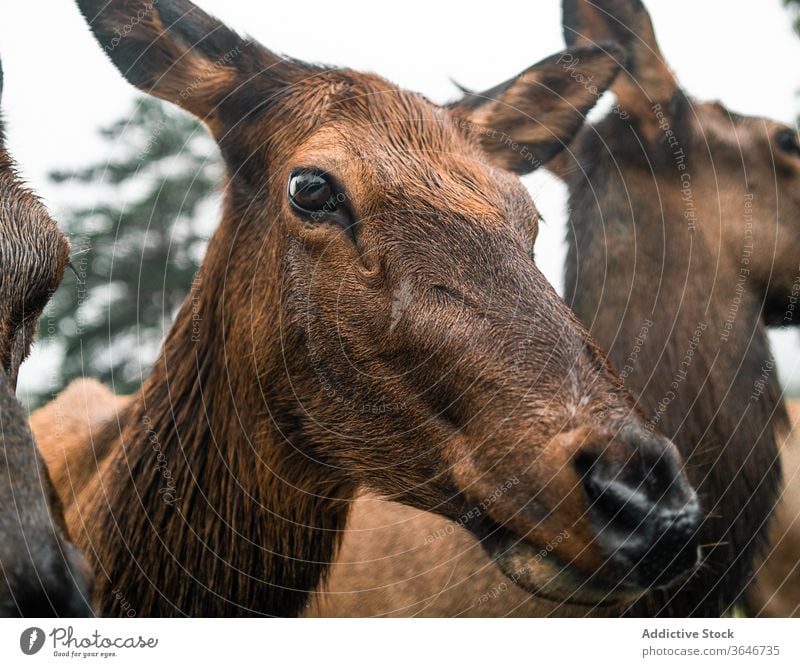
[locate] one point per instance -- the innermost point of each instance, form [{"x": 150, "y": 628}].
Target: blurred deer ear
[
  {"x": 174, "y": 50},
  {"x": 647, "y": 79},
  {"x": 526, "y": 121},
  {"x": 1, "y": 80}
]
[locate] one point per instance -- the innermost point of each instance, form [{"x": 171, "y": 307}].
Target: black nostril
[
  {"x": 648, "y": 521},
  {"x": 624, "y": 506},
  {"x": 668, "y": 549}
]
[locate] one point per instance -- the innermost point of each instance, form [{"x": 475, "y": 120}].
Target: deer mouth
[
  {"x": 618, "y": 519},
  {"x": 540, "y": 571}
]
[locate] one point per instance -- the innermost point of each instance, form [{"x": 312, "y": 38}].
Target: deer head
[
  {"x": 737, "y": 177},
  {"x": 372, "y": 315}
]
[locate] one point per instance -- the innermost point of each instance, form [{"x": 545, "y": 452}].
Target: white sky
[{"x": 59, "y": 87}]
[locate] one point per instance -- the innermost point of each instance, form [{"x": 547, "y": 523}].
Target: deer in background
[
  {"x": 682, "y": 243},
  {"x": 41, "y": 572},
  {"x": 342, "y": 192},
  {"x": 684, "y": 222}
]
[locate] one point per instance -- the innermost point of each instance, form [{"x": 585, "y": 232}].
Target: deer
[
  {"x": 41, "y": 573},
  {"x": 367, "y": 315},
  {"x": 730, "y": 201},
  {"x": 681, "y": 248}
]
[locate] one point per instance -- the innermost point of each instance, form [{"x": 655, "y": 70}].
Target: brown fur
[
  {"x": 41, "y": 573},
  {"x": 223, "y": 487}
]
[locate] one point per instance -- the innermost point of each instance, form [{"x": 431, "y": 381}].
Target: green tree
[{"x": 136, "y": 246}]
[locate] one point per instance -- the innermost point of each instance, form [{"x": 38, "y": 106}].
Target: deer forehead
[
  {"x": 388, "y": 147},
  {"x": 722, "y": 125},
  {"x": 418, "y": 162}
]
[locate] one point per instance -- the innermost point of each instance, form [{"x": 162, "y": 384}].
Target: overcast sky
[{"x": 59, "y": 88}]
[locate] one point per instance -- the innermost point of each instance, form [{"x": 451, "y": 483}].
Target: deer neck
[
  {"x": 647, "y": 272},
  {"x": 214, "y": 499}
]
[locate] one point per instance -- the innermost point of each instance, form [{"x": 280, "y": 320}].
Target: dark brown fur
[
  {"x": 268, "y": 403},
  {"x": 658, "y": 239}
]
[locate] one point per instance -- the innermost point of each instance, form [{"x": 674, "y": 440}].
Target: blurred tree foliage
[{"x": 135, "y": 246}]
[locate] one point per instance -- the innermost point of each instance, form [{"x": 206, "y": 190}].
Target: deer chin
[{"x": 537, "y": 569}]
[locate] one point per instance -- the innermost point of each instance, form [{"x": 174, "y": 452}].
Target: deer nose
[{"x": 645, "y": 513}]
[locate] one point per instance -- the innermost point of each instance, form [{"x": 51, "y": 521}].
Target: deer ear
[
  {"x": 647, "y": 79},
  {"x": 526, "y": 121},
  {"x": 1, "y": 80},
  {"x": 174, "y": 50}
]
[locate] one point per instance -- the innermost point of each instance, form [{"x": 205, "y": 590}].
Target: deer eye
[
  {"x": 317, "y": 197},
  {"x": 312, "y": 192},
  {"x": 788, "y": 142}
]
